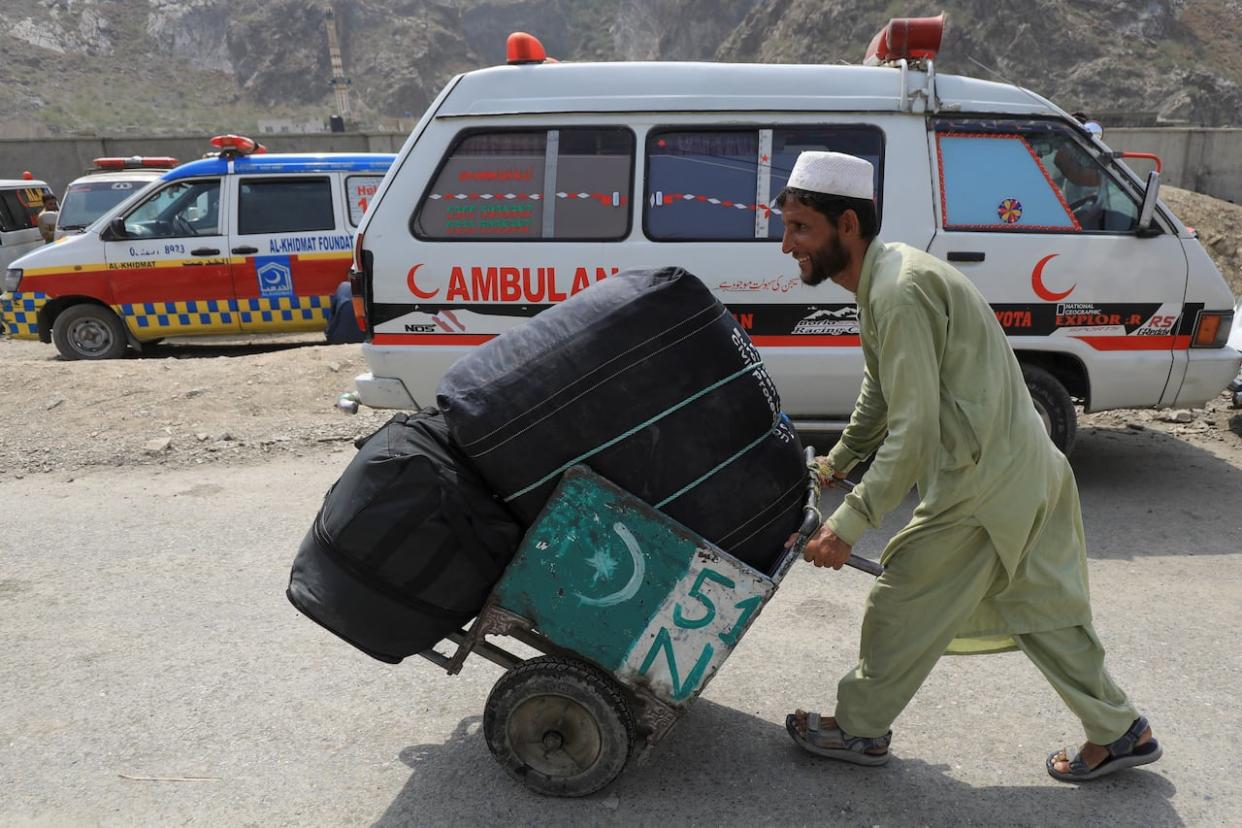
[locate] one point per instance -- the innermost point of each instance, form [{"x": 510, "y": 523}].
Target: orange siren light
[
  {"x": 522, "y": 48},
  {"x": 911, "y": 38},
  {"x": 237, "y": 145}
]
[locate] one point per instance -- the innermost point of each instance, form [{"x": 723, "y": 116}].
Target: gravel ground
[{"x": 186, "y": 402}]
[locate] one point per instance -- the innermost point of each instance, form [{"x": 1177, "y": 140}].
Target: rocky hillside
[
  {"x": 1219, "y": 225},
  {"x": 1175, "y": 60},
  {"x": 114, "y": 66}
]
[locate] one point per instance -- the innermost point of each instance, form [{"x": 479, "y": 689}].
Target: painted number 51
[{"x": 693, "y": 620}]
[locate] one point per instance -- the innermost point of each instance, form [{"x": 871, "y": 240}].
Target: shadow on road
[
  {"x": 723, "y": 766},
  {"x": 1149, "y": 493},
  {"x": 1143, "y": 493}
]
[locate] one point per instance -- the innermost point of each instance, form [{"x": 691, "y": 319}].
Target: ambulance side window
[
  {"x": 359, "y": 190},
  {"x": 723, "y": 184},
  {"x": 17, "y": 216},
  {"x": 180, "y": 210},
  {"x": 284, "y": 205},
  {"x": 25, "y": 204},
  {"x": 1026, "y": 177},
  {"x": 1093, "y": 195},
  {"x": 8, "y": 220},
  {"x": 554, "y": 184},
  {"x": 701, "y": 185},
  {"x": 788, "y": 143}
]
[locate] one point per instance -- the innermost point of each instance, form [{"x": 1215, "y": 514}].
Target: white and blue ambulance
[{"x": 242, "y": 242}]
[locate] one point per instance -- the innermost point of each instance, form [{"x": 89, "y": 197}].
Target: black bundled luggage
[
  {"x": 648, "y": 379},
  {"x": 407, "y": 545}
]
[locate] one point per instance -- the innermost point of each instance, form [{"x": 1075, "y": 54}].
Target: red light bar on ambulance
[
  {"x": 523, "y": 48},
  {"x": 911, "y": 38},
  {"x": 161, "y": 162},
  {"x": 238, "y": 145}
]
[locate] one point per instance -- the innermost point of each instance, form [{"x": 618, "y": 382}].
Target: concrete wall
[
  {"x": 60, "y": 160},
  {"x": 1195, "y": 158},
  {"x": 1204, "y": 160}
]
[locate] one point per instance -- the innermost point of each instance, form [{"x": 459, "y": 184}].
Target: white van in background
[
  {"x": 106, "y": 184},
  {"x": 523, "y": 184},
  {"x": 20, "y": 203}
]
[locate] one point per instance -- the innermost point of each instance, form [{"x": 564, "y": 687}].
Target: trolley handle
[{"x": 812, "y": 519}]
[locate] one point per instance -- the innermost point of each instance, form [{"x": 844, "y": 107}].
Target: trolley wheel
[{"x": 559, "y": 726}]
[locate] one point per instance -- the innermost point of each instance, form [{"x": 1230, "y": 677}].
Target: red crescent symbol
[
  {"x": 421, "y": 294},
  {"x": 1037, "y": 282}
]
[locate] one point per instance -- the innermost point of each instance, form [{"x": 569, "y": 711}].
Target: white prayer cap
[{"x": 833, "y": 173}]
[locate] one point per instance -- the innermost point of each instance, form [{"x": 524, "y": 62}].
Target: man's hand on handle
[{"x": 826, "y": 549}]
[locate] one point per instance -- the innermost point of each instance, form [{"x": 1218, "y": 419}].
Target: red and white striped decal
[
  {"x": 663, "y": 199},
  {"x": 613, "y": 199}
]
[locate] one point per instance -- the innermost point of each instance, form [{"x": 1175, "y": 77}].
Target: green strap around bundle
[{"x": 755, "y": 366}]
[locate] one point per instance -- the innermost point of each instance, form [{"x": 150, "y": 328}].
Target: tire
[
  {"x": 559, "y": 726},
  {"x": 1054, "y": 406},
  {"x": 89, "y": 332}
]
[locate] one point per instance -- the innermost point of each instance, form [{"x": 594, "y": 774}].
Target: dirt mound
[
  {"x": 186, "y": 402},
  {"x": 1219, "y": 224}
]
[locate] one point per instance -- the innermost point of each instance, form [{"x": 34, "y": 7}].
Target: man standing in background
[{"x": 46, "y": 220}]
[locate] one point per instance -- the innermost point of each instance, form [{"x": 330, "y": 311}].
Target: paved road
[{"x": 148, "y": 639}]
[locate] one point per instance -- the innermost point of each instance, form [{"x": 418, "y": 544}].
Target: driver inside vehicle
[
  {"x": 182, "y": 209},
  {"x": 1086, "y": 187}
]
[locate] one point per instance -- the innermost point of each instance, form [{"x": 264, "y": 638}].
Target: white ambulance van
[
  {"x": 107, "y": 183},
  {"x": 525, "y": 183},
  {"x": 21, "y": 200}
]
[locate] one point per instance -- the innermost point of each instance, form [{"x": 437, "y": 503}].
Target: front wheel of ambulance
[
  {"x": 559, "y": 726},
  {"x": 89, "y": 332},
  {"x": 1054, "y": 405}
]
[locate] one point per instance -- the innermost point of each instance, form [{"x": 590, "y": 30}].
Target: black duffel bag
[
  {"x": 647, "y": 378},
  {"x": 407, "y": 545}
]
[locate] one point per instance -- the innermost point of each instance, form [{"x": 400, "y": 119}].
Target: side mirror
[
  {"x": 1148, "y": 211},
  {"x": 115, "y": 230}
]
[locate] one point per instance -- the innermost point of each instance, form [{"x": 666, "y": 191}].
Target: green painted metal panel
[{"x": 596, "y": 567}]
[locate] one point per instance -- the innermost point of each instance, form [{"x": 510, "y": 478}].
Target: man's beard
[{"x": 826, "y": 262}]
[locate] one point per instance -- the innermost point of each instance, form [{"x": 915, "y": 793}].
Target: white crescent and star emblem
[{"x": 605, "y": 565}]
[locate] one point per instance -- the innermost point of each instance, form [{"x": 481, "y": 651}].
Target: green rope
[
  {"x": 631, "y": 432},
  {"x": 720, "y": 466}
]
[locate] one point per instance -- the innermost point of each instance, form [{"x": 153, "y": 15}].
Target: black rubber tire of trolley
[
  {"x": 89, "y": 331},
  {"x": 1054, "y": 405},
  {"x": 559, "y": 726}
]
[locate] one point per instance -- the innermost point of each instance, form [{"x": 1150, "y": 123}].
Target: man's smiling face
[{"x": 814, "y": 243}]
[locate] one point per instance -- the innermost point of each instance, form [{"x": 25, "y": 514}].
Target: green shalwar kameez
[{"x": 994, "y": 557}]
